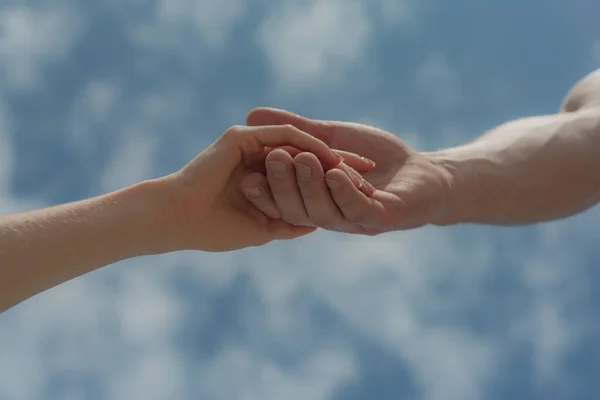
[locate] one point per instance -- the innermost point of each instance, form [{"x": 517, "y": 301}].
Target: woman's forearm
[
  {"x": 43, "y": 248},
  {"x": 525, "y": 171},
  {"x": 200, "y": 207}
]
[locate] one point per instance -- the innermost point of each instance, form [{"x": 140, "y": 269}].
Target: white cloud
[
  {"x": 156, "y": 374},
  {"x": 147, "y": 311},
  {"x": 309, "y": 42},
  {"x": 236, "y": 373},
  {"x": 177, "y": 26},
  {"x": 388, "y": 288},
  {"x": 440, "y": 81},
  {"x": 31, "y": 39},
  {"x": 96, "y": 105},
  {"x": 407, "y": 292},
  {"x": 133, "y": 123},
  {"x": 9, "y": 204},
  {"x": 214, "y": 19},
  {"x": 22, "y": 372},
  {"x": 121, "y": 337},
  {"x": 131, "y": 162},
  {"x": 558, "y": 318}
]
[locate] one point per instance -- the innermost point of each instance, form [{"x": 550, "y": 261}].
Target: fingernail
[
  {"x": 332, "y": 184},
  {"x": 339, "y": 158},
  {"x": 373, "y": 164},
  {"x": 303, "y": 172},
  {"x": 277, "y": 169},
  {"x": 251, "y": 192}
]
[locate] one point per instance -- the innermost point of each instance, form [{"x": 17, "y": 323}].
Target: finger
[
  {"x": 256, "y": 189},
  {"x": 319, "y": 206},
  {"x": 323, "y": 130},
  {"x": 356, "y": 178},
  {"x": 286, "y": 194},
  {"x": 252, "y": 139},
  {"x": 359, "y": 182},
  {"x": 271, "y": 116},
  {"x": 281, "y": 230},
  {"x": 354, "y": 205},
  {"x": 360, "y": 164},
  {"x": 290, "y": 149}
]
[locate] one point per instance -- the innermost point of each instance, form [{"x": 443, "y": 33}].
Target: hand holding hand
[
  {"x": 410, "y": 188},
  {"x": 210, "y": 211}
]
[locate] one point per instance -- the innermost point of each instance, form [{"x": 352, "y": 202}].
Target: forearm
[
  {"x": 43, "y": 248},
  {"x": 530, "y": 170}
]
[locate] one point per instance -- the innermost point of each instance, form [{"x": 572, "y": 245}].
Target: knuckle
[
  {"x": 291, "y": 129},
  {"x": 233, "y": 131}
]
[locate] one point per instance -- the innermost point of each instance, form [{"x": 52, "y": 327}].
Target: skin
[
  {"x": 530, "y": 170},
  {"x": 199, "y": 207}
]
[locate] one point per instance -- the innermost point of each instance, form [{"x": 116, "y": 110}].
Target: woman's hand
[{"x": 209, "y": 210}]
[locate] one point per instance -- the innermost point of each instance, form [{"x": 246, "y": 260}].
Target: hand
[
  {"x": 199, "y": 207},
  {"x": 210, "y": 212},
  {"x": 410, "y": 188}
]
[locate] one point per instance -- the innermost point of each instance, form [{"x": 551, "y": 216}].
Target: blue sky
[{"x": 98, "y": 95}]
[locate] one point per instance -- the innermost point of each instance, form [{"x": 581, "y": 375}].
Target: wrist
[
  {"x": 470, "y": 176},
  {"x": 148, "y": 207}
]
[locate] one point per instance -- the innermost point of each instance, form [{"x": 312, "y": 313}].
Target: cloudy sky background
[{"x": 98, "y": 95}]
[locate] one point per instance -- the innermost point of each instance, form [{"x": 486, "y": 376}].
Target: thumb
[{"x": 262, "y": 116}]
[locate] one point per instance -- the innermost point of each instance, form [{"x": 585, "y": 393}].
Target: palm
[
  {"x": 410, "y": 187},
  {"x": 233, "y": 216},
  {"x": 216, "y": 213}
]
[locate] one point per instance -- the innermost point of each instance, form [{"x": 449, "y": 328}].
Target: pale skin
[
  {"x": 525, "y": 171},
  {"x": 530, "y": 170},
  {"x": 199, "y": 207}
]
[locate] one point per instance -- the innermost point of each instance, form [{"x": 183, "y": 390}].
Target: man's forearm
[
  {"x": 41, "y": 249},
  {"x": 530, "y": 170}
]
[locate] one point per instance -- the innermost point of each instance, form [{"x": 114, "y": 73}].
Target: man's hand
[
  {"x": 410, "y": 189},
  {"x": 529, "y": 170}
]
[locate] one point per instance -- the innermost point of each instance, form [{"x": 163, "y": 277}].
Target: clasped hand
[{"x": 283, "y": 176}]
